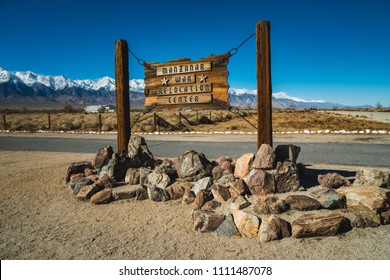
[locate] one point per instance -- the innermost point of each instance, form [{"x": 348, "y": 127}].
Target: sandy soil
[{"x": 40, "y": 219}]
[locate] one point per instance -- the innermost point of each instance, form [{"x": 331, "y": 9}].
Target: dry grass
[{"x": 283, "y": 120}]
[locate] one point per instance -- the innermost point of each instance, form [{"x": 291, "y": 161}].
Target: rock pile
[{"x": 255, "y": 196}]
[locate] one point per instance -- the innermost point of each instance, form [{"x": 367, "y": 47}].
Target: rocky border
[{"x": 255, "y": 196}]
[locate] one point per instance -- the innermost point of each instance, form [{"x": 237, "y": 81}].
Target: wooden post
[
  {"x": 4, "y": 122},
  {"x": 122, "y": 94},
  {"x": 264, "y": 88},
  {"x": 155, "y": 122},
  {"x": 197, "y": 116},
  {"x": 210, "y": 116},
  {"x": 100, "y": 122},
  {"x": 49, "y": 121}
]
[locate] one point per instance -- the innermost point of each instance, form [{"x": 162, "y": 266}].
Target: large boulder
[
  {"x": 138, "y": 152},
  {"x": 159, "y": 180},
  {"x": 132, "y": 176},
  {"x": 265, "y": 158},
  {"x": 273, "y": 228},
  {"x": 192, "y": 166},
  {"x": 269, "y": 204},
  {"x": 370, "y": 200},
  {"x": 101, "y": 197},
  {"x": 261, "y": 182},
  {"x": 202, "y": 184},
  {"x": 372, "y": 177},
  {"x": 243, "y": 165},
  {"x": 286, "y": 177},
  {"x": 166, "y": 166},
  {"x": 312, "y": 225},
  {"x": 287, "y": 152}
]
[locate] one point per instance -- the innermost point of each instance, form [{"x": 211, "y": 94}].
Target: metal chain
[
  {"x": 143, "y": 62},
  {"x": 232, "y": 51}
]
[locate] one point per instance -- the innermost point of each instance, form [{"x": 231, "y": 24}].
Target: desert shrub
[{"x": 205, "y": 120}]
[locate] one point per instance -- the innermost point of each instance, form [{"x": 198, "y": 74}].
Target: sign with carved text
[{"x": 185, "y": 83}]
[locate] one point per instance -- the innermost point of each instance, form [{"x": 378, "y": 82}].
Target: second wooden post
[
  {"x": 122, "y": 94},
  {"x": 264, "y": 88}
]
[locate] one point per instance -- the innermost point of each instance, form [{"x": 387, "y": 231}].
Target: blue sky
[{"x": 336, "y": 50}]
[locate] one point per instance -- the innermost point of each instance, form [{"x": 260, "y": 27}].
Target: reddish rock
[
  {"x": 103, "y": 156},
  {"x": 332, "y": 180},
  {"x": 102, "y": 196},
  {"x": 188, "y": 197},
  {"x": 237, "y": 188},
  {"x": 239, "y": 203},
  {"x": 157, "y": 194},
  {"x": 243, "y": 165},
  {"x": 76, "y": 176},
  {"x": 302, "y": 203},
  {"x": 88, "y": 191},
  {"x": 269, "y": 204},
  {"x": 176, "y": 190},
  {"x": 105, "y": 181},
  {"x": 220, "y": 193},
  {"x": 201, "y": 198},
  {"x": 211, "y": 205},
  {"x": 76, "y": 167},
  {"x": 261, "y": 182},
  {"x": 206, "y": 221},
  {"x": 265, "y": 158},
  {"x": 132, "y": 176},
  {"x": 273, "y": 228},
  {"x": 217, "y": 172},
  {"x": 226, "y": 163},
  {"x": 247, "y": 224},
  {"x": 311, "y": 225},
  {"x": 90, "y": 171}
]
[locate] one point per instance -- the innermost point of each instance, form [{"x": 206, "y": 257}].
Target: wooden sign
[{"x": 185, "y": 83}]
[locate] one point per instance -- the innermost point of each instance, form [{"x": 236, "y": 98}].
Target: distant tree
[
  {"x": 68, "y": 109},
  {"x": 379, "y": 105},
  {"x": 101, "y": 110}
]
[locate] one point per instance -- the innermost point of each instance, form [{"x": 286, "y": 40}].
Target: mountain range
[{"x": 29, "y": 87}]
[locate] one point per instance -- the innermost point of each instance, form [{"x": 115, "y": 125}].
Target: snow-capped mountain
[{"x": 31, "y": 87}]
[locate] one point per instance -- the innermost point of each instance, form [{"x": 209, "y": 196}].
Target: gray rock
[
  {"x": 286, "y": 177},
  {"x": 227, "y": 227},
  {"x": 77, "y": 184},
  {"x": 157, "y": 194},
  {"x": 143, "y": 176},
  {"x": 168, "y": 167},
  {"x": 202, "y": 184},
  {"x": 265, "y": 158},
  {"x": 329, "y": 198},
  {"x": 138, "y": 152},
  {"x": 75, "y": 168},
  {"x": 372, "y": 177},
  {"x": 132, "y": 176},
  {"x": 193, "y": 166},
  {"x": 287, "y": 152},
  {"x": 159, "y": 180}
]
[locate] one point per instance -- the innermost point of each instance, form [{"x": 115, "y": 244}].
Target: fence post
[
  {"x": 155, "y": 122},
  {"x": 264, "y": 88},
  {"x": 122, "y": 94},
  {"x": 210, "y": 116},
  {"x": 4, "y": 122},
  {"x": 49, "y": 121},
  {"x": 100, "y": 122}
]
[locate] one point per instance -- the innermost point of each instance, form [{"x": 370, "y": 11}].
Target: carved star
[
  {"x": 164, "y": 81},
  {"x": 203, "y": 78}
]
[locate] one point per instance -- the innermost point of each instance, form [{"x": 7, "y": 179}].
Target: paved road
[{"x": 311, "y": 153}]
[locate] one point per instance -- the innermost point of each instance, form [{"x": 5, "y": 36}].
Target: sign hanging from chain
[{"x": 186, "y": 83}]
